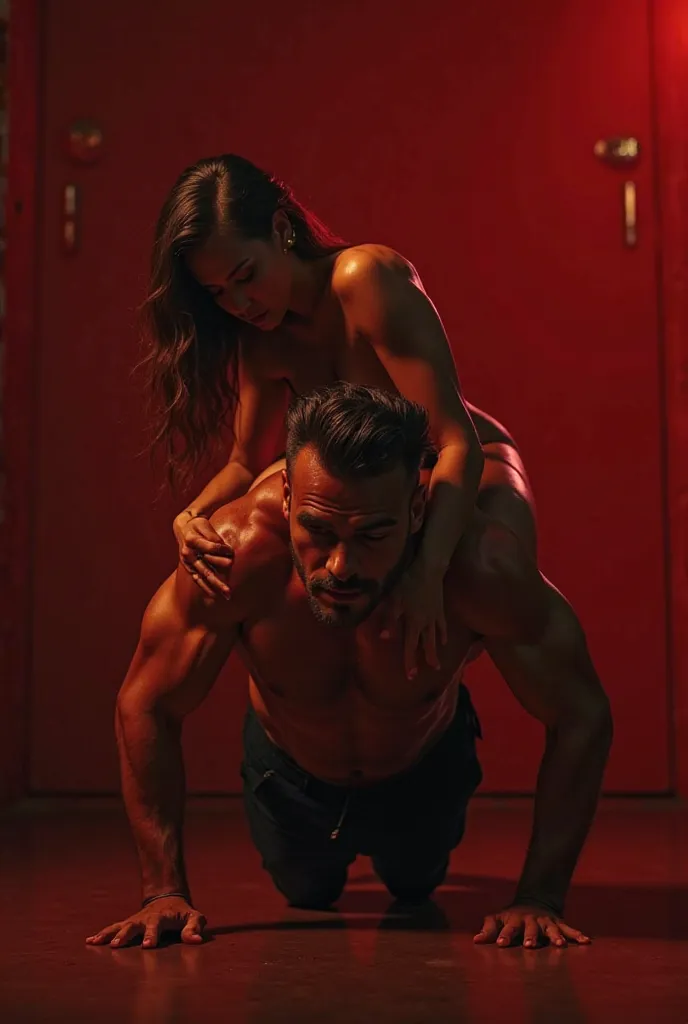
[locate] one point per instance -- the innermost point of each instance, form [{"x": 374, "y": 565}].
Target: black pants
[{"x": 308, "y": 832}]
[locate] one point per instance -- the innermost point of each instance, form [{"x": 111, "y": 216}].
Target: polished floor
[{"x": 67, "y": 868}]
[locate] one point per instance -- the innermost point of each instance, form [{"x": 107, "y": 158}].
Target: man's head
[{"x": 352, "y": 495}]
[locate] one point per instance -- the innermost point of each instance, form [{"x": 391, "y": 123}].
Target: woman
[{"x": 253, "y": 300}]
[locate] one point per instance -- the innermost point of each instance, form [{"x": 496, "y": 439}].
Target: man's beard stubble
[{"x": 346, "y": 616}]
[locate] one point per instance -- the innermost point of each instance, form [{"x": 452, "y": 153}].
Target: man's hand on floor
[
  {"x": 172, "y": 915},
  {"x": 532, "y": 924}
]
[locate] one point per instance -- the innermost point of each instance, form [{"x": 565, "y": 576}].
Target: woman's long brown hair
[{"x": 191, "y": 362}]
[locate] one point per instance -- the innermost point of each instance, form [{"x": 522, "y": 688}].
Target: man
[{"x": 343, "y": 753}]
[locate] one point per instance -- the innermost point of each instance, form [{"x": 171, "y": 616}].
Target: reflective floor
[{"x": 67, "y": 868}]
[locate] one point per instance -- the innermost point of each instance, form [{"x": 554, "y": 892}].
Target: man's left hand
[{"x": 530, "y": 923}]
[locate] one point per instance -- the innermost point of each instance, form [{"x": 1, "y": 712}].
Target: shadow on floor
[{"x": 628, "y": 912}]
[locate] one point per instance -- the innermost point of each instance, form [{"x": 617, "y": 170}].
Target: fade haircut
[{"x": 359, "y": 431}]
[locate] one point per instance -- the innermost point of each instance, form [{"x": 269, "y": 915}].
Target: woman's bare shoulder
[{"x": 361, "y": 263}]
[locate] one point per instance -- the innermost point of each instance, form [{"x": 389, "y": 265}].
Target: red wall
[
  {"x": 399, "y": 130},
  {"x": 670, "y": 38},
  {"x": 17, "y": 407}
]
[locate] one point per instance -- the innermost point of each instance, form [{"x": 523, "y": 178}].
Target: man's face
[{"x": 350, "y": 538}]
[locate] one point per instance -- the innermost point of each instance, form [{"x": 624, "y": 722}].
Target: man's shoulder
[
  {"x": 494, "y": 585},
  {"x": 255, "y": 528}
]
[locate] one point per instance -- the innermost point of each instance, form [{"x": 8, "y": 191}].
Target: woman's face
[{"x": 249, "y": 278}]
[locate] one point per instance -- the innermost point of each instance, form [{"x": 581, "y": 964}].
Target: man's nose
[{"x": 340, "y": 563}]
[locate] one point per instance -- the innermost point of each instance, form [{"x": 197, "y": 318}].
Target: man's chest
[{"x": 299, "y": 659}]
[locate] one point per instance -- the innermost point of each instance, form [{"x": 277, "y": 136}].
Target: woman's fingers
[
  {"x": 411, "y": 639},
  {"x": 430, "y": 646},
  {"x": 198, "y": 579},
  {"x": 218, "y": 562},
  {"x": 207, "y": 546}
]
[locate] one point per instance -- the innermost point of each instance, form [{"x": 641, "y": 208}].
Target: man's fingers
[
  {"x": 103, "y": 936},
  {"x": 508, "y": 934},
  {"x": 126, "y": 934},
  {"x": 574, "y": 934},
  {"x": 193, "y": 930},
  {"x": 531, "y": 932},
  {"x": 489, "y": 931},
  {"x": 553, "y": 933},
  {"x": 151, "y": 935}
]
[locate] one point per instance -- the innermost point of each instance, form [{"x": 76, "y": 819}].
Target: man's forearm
[
  {"x": 153, "y": 786},
  {"x": 568, "y": 789}
]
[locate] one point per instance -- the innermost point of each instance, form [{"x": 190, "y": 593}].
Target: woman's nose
[{"x": 237, "y": 302}]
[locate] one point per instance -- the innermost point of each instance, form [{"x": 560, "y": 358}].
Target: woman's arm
[
  {"x": 258, "y": 438},
  {"x": 385, "y": 305}
]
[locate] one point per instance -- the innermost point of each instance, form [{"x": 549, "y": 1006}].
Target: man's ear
[
  {"x": 418, "y": 506},
  {"x": 286, "y": 495}
]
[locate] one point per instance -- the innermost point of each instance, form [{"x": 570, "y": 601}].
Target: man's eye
[{"x": 374, "y": 536}]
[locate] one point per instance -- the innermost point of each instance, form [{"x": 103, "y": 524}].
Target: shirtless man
[{"x": 343, "y": 753}]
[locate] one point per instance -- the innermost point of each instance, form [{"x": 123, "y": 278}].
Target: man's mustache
[{"x": 351, "y": 586}]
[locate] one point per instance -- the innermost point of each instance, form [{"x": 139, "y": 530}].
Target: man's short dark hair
[{"x": 359, "y": 431}]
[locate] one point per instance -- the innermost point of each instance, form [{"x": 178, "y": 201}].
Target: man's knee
[
  {"x": 306, "y": 886},
  {"x": 408, "y": 880}
]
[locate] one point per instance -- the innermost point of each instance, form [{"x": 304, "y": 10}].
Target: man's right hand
[{"x": 172, "y": 914}]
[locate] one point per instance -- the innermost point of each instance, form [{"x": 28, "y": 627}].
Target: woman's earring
[{"x": 289, "y": 244}]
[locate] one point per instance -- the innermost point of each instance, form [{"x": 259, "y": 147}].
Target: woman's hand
[
  {"x": 203, "y": 553},
  {"x": 419, "y": 598}
]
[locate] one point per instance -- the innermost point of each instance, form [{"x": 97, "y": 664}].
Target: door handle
[
  {"x": 70, "y": 219},
  {"x": 630, "y": 204}
]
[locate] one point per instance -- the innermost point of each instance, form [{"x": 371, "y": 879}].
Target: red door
[{"x": 461, "y": 134}]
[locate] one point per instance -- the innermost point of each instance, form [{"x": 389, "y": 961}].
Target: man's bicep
[{"x": 183, "y": 644}]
